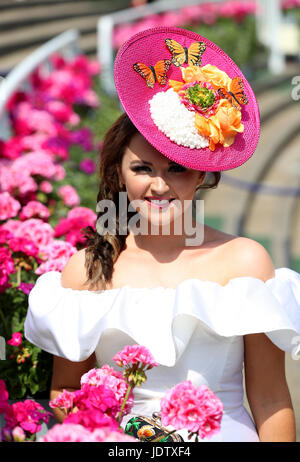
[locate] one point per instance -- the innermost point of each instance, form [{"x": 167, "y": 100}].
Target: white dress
[{"x": 194, "y": 331}]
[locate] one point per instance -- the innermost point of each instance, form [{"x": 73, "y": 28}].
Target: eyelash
[{"x": 142, "y": 167}]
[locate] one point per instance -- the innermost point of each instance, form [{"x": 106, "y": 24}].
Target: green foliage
[
  {"x": 238, "y": 40},
  {"x": 27, "y": 368}
]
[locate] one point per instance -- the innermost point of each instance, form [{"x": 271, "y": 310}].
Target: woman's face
[{"x": 148, "y": 174}]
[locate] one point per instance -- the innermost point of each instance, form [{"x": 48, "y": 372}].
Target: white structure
[
  {"x": 269, "y": 24},
  {"x": 66, "y": 43}
]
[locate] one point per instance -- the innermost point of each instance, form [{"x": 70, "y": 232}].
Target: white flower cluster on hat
[{"x": 175, "y": 120}]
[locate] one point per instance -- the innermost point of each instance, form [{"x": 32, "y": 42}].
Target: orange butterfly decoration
[
  {"x": 236, "y": 95},
  {"x": 151, "y": 74}
]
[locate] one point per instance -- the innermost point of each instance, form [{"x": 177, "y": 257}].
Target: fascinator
[{"x": 188, "y": 98}]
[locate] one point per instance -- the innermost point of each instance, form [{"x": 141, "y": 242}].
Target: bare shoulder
[
  {"x": 248, "y": 257},
  {"x": 74, "y": 275}
]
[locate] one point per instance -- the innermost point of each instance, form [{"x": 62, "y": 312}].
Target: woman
[{"x": 203, "y": 307}]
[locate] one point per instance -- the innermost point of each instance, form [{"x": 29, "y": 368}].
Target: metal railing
[{"x": 67, "y": 43}]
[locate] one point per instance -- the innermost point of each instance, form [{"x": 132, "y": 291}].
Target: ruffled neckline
[
  {"x": 69, "y": 322},
  {"x": 182, "y": 283}
]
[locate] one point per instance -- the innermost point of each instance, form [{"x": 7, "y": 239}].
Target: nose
[{"x": 159, "y": 186}]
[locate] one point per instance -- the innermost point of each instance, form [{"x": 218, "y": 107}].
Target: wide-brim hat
[{"x": 164, "y": 101}]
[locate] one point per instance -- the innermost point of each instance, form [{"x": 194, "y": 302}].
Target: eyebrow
[{"x": 149, "y": 163}]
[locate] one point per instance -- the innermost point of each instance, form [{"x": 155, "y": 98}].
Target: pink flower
[
  {"x": 9, "y": 206},
  {"x": 84, "y": 213},
  {"x": 71, "y": 432},
  {"x": 134, "y": 354},
  {"x": 72, "y": 228},
  {"x": 46, "y": 187},
  {"x": 7, "y": 267},
  {"x": 196, "y": 409},
  {"x": 63, "y": 400},
  {"x": 36, "y": 230},
  {"x": 16, "y": 339},
  {"x": 12, "y": 226},
  {"x": 34, "y": 209},
  {"x": 34, "y": 142},
  {"x": 5, "y": 235},
  {"x": 27, "y": 414},
  {"x": 112, "y": 379},
  {"x": 12, "y": 148},
  {"x": 60, "y": 172},
  {"x": 91, "y": 419},
  {"x": 18, "y": 435},
  {"x": 20, "y": 244},
  {"x": 69, "y": 195},
  {"x": 57, "y": 249},
  {"x": 66, "y": 432},
  {"x": 100, "y": 398},
  {"x": 83, "y": 137},
  {"x": 16, "y": 180},
  {"x": 88, "y": 166},
  {"x": 62, "y": 112},
  {"x": 26, "y": 287},
  {"x": 36, "y": 163},
  {"x": 4, "y": 406},
  {"x": 105, "y": 435},
  {"x": 51, "y": 265}
]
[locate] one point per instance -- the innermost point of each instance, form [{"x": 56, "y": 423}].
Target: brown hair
[{"x": 102, "y": 250}]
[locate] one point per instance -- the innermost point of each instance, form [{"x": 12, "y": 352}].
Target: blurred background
[{"x": 260, "y": 199}]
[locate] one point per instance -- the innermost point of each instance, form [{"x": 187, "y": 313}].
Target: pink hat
[{"x": 187, "y": 98}]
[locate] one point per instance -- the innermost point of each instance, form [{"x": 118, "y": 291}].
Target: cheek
[
  {"x": 185, "y": 186},
  {"x": 136, "y": 186}
]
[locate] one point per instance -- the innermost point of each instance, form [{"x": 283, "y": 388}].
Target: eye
[
  {"x": 178, "y": 168},
  {"x": 138, "y": 168}
]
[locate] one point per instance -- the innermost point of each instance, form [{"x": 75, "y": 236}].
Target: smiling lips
[{"x": 158, "y": 203}]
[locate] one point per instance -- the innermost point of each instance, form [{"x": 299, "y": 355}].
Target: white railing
[
  {"x": 268, "y": 23},
  {"x": 67, "y": 43}
]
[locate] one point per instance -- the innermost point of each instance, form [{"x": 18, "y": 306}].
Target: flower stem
[
  {"x": 19, "y": 272},
  {"x": 162, "y": 436},
  {"x": 124, "y": 401}
]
